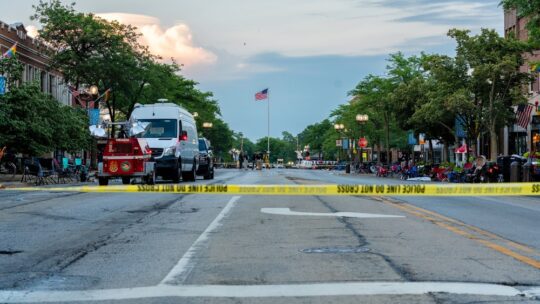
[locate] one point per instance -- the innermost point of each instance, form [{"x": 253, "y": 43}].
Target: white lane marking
[
  {"x": 532, "y": 292},
  {"x": 261, "y": 291},
  {"x": 184, "y": 264},
  {"x": 287, "y": 211}
]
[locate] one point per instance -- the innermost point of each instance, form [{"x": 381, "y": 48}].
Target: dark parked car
[{"x": 206, "y": 159}]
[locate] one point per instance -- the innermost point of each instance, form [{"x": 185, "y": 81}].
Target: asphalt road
[{"x": 170, "y": 248}]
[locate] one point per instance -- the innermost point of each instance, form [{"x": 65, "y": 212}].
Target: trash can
[
  {"x": 348, "y": 168},
  {"x": 515, "y": 172},
  {"x": 504, "y": 163},
  {"x": 527, "y": 167}
]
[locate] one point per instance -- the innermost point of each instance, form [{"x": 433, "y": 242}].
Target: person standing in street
[
  {"x": 246, "y": 161},
  {"x": 241, "y": 160}
]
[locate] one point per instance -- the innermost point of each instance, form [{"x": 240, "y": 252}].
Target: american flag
[
  {"x": 523, "y": 115},
  {"x": 262, "y": 95}
]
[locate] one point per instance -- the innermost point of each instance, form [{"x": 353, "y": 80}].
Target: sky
[{"x": 309, "y": 53}]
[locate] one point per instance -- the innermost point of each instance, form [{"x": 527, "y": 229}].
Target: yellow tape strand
[{"x": 499, "y": 189}]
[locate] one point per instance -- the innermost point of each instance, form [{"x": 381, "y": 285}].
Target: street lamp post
[
  {"x": 207, "y": 126},
  {"x": 91, "y": 93},
  {"x": 339, "y": 128},
  {"x": 361, "y": 119}
]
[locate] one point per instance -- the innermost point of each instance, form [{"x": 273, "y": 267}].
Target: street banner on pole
[
  {"x": 421, "y": 139},
  {"x": 2, "y": 85},
  {"x": 412, "y": 139},
  {"x": 93, "y": 116},
  {"x": 345, "y": 143},
  {"x": 460, "y": 127}
]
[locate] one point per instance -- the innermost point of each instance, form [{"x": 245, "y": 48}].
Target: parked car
[
  {"x": 172, "y": 137},
  {"x": 206, "y": 159}
]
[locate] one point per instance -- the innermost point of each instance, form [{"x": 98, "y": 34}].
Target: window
[{"x": 159, "y": 128}]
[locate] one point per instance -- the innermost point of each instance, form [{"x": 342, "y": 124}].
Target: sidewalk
[{"x": 7, "y": 181}]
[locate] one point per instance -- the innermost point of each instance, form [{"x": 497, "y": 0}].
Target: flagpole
[{"x": 268, "y": 138}]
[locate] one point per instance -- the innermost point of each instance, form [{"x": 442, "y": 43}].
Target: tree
[
  {"x": 93, "y": 51},
  {"x": 220, "y": 136},
  {"x": 376, "y": 93},
  {"x": 495, "y": 82},
  {"x": 12, "y": 70},
  {"x": 279, "y": 149},
  {"x": 34, "y": 123},
  {"x": 314, "y": 136}
]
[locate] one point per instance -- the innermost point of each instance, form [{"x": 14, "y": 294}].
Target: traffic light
[{"x": 536, "y": 138}]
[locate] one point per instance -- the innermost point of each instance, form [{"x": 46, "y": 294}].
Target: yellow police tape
[{"x": 500, "y": 189}]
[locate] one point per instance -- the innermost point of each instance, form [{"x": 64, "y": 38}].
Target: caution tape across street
[{"x": 498, "y": 189}]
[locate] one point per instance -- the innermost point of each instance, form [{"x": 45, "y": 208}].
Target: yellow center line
[
  {"x": 475, "y": 229},
  {"x": 444, "y": 222}
]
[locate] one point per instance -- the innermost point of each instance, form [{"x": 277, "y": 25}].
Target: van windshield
[{"x": 159, "y": 128}]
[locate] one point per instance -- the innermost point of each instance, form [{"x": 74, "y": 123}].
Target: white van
[{"x": 172, "y": 137}]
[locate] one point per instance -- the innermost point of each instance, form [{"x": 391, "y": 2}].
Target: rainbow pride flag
[
  {"x": 10, "y": 52},
  {"x": 535, "y": 67}
]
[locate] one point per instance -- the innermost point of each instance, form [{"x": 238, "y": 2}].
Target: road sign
[
  {"x": 362, "y": 142},
  {"x": 338, "y": 142}
]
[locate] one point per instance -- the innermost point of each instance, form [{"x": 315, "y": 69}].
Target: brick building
[
  {"x": 35, "y": 62},
  {"x": 518, "y": 139}
]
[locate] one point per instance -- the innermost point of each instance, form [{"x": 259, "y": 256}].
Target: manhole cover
[{"x": 336, "y": 250}]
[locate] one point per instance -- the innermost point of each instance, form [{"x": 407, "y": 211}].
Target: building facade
[
  {"x": 517, "y": 139},
  {"x": 36, "y": 63}
]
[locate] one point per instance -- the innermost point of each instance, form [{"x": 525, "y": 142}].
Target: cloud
[
  {"x": 471, "y": 13},
  {"x": 173, "y": 42},
  {"x": 32, "y": 31},
  {"x": 306, "y": 28}
]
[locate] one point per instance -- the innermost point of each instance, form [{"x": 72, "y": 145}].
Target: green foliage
[
  {"x": 34, "y": 123},
  {"x": 279, "y": 149},
  {"x": 83, "y": 45},
  {"x": 220, "y": 136},
  {"x": 493, "y": 84},
  {"x": 427, "y": 93},
  {"x": 12, "y": 69},
  {"x": 315, "y": 135}
]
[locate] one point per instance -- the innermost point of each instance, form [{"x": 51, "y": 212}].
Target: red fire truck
[{"x": 126, "y": 158}]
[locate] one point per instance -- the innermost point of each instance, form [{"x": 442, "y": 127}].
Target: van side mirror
[{"x": 183, "y": 136}]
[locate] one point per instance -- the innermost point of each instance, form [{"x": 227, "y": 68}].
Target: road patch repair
[
  {"x": 268, "y": 291},
  {"x": 496, "y": 189},
  {"x": 287, "y": 211}
]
